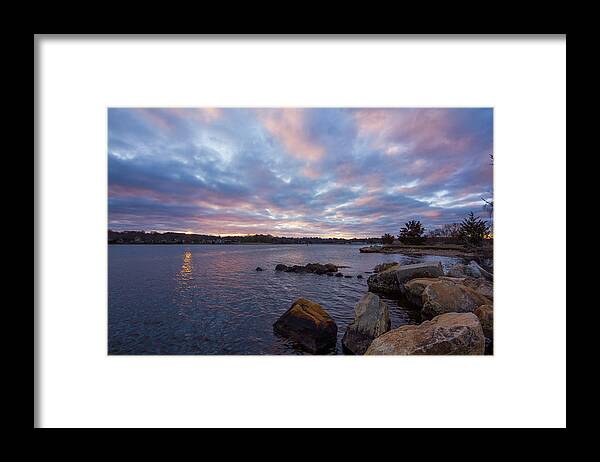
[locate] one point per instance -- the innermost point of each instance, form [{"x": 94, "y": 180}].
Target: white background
[{"x": 523, "y": 384}]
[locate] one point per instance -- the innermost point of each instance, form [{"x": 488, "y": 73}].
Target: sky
[{"x": 324, "y": 172}]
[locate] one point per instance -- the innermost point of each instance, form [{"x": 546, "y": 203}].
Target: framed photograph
[
  {"x": 280, "y": 231},
  {"x": 226, "y": 224}
]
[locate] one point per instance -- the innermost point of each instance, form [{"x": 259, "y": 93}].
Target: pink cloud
[
  {"x": 289, "y": 127},
  {"x": 416, "y": 130}
]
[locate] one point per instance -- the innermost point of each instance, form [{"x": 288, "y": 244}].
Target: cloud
[{"x": 351, "y": 172}]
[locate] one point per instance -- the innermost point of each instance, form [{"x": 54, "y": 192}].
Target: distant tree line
[{"x": 153, "y": 237}]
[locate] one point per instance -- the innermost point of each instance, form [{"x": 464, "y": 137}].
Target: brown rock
[
  {"x": 414, "y": 288},
  {"x": 446, "y": 297},
  {"x": 482, "y": 286},
  {"x": 371, "y": 319},
  {"x": 447, "y": 334},
  {"x": 383, "y": 266},
  {"x": 391, "y": 280},
  {"x": 309, "y": 325},
  {"x": 485, "y": 313}
]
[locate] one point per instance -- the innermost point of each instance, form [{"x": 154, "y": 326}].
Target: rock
[
  {"x": 414, "y": 288},
  {"x": 480, "y": 285},
  {"x": 347, "y": 276},
  {"x": 485, "y": 313},
  {"x": 447, "y": 334},
  {"x": 370, "y": 249},
  {"x": 329, "y": 274},
  {"x": 472, "y": 270},
  {"x": 383, "y": 266},
  {"x": 392, "y": 279},
  {"x": 477, "y": 269},
  {"x": 445, "y": 297},
  {"x": 461, "y": 271},
  {"x": 359, "y": 276},
  {"x": 309, "y": 325},
  {"x": 338, "y": 275},
  {"x": 258, "y": 268},
  {"x": 371, "y": 319},
  {"x": 316, "y": 268}
]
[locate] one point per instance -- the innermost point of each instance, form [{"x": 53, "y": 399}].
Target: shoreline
[{"x": 438, "y": 251}]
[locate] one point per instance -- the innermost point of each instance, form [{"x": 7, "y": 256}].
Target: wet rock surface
[
  {"x": 316, "y": 268},
  {"x": 371, "y": 319},
  {"x": 309, "y": 325}
]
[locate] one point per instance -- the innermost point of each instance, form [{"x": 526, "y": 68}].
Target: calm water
[{"x": 208, "y": 299}]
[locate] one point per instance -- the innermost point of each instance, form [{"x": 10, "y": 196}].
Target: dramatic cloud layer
[{"x": 296, "y": 172}]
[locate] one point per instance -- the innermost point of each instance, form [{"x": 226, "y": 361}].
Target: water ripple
[{"x": 210, "y": 300}]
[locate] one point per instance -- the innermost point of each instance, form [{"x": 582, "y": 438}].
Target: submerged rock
[
  {"x": 359, "y": 276},
  {"x": 447, "y": 334},
  {"x": 446, "y": 297},
  {"x": 258, "y": 268},
  {"x": 309, "y": 325},
  {"x": 316, "y": 268},
  {"x": 347, "y": 276},
  {"x": 392, "y": 279},
  {"x": 371, "y": 319},
  {"x": 338, "y": 275}
]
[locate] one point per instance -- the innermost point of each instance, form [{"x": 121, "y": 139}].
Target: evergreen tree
[
  {"x": 412, "y": 233},
  {"x": 473, "y": 230},
  {"x": 387, "y": 238}
]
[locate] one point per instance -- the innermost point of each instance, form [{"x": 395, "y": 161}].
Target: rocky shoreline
[
  {"x": 449, "y": 250},
  {"x": 456, "y": 308}
]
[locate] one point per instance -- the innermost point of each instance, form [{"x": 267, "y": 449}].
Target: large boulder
[
  {"x": 472, "y": 270},
  {"x": 447, "y": 297},
  {"x": 481, "y": 285},
  {"x": 309, "y": 325},
  {"x": 485, "y": 313},
  {"x": 482, "y": 272},
  {"x": 371, "y": 319},
  {"x": 460, "y": 270},
  {"x": 447, "y": 334},
  {"x": 392, "y": 279},
  {"x": 414, "y": 288}
]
